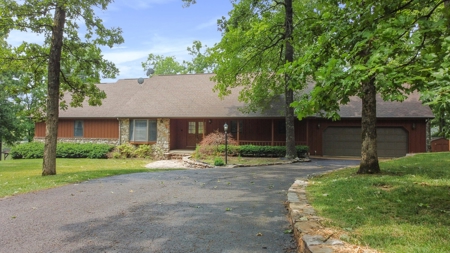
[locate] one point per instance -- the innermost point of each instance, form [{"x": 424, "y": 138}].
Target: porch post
[
  {"x": 204, "y": 128},
  {"x": 307, "y": 132},
  {"x": 273, "y": 132},
  {"x": 238, "y": 130}
]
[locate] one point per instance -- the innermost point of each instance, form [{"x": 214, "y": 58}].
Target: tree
[
  {"x": 199, "y": 63},
  {"x": 71, "y": 64},
  {"x": 369, "y": 47},
  {"x": 163, "y": 65},
  {"x": 168, "y": 65},
  {"x": 255, "y": 53}
]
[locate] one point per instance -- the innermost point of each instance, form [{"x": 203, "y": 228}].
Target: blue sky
[{"x": 161, "y": 27}]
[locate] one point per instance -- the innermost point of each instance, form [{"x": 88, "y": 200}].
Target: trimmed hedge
[
  {"x": 262, "y": 151},
  {"x": 64, "y": 150}
]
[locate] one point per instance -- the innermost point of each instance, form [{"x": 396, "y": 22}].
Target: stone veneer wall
[
  {"x": 83, "y": 140},
  {"x": 163, "y": 135},
  {"x": 124, "y": 126}
]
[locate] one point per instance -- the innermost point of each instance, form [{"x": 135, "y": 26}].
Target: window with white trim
[{"x": 143, "y": 130}]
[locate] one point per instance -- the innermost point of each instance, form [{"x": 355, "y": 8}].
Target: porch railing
[{"x": 268, "y": 143}]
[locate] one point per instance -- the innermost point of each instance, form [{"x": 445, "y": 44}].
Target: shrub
[
  {"x": 63, "y": 150},
  {"x": 128, "y": 150},
  {"x": 143, "y": 151},
  {"x": 28, "y": 150},
  {"x": 272, "y": 151},
  {"x": 125, "y": 150},
  {"x": 210, "y": 145},
  {"x": 216, "y": 138},
  {"x": 98, "y": 151},
  {"x": 218, "y": 161}
]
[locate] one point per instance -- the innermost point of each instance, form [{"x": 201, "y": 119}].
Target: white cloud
[
  {"x": 208, "y": 24},
  {"x": 16, "y": 38}
]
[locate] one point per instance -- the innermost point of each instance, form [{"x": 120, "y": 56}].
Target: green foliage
[
  {"x": 163, "y": 65},
  {"x": 218, "y": 161},
  {"x": 125, "y": 150},
  {"x": 249, "y": 151},
  {"x": 128, "y": 150},
  {"x": 200, "y": 62},
  {"x": 82, "y": 64},
  {"x": 168, "y": 65},
  {"x": 64, "y": 150},
  {"x": 232, "y": 150},
  {"x": 143, "y": 151},
  {"x": 269, "y": 151},
  {"x": 28, "y": 150}
]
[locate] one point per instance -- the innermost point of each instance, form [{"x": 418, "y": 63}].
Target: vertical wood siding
[
  {"x": 96, "y": 128},
  {"x": 440, "y": 145},
  {"x": 101, "y": 128},
  {"x": 39, "y": 129}
]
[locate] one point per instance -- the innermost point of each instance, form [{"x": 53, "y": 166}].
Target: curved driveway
[{"x": 212, "y": 210}]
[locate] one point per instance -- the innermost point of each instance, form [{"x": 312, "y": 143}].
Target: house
[{"x": 177, "y": 111}]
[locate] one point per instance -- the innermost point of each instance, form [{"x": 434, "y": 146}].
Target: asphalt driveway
[{"x": 211, "y": 210}]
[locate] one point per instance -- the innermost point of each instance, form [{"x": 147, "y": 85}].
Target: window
[
  {"x": 142, "y": 130},
  {"x": 78, "y": 128},
  {"x": 191, "y": 128},
  {"x": 234, "y": 126}
]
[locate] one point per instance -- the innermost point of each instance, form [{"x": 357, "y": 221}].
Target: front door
[{"x": 195, "y": 133}]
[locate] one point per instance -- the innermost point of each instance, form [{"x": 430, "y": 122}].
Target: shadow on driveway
[{"x": 211, "y": 210}]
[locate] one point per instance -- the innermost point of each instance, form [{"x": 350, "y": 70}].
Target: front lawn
[
  {"x": 406, "y": 208},
  {"x": 24, "y": 175}
]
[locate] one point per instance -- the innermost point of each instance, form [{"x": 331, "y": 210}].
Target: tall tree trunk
[
  {"x": 369, "y": 157},
  {"x": 291, "y": 151},
  {"x": 428, "y": 126},
  {"x": 54, "y": 67}
]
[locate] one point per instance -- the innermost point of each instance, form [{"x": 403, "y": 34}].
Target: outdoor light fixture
[
  {"x": 414, "y": 126},
  {"x": 225, "y": 127},
  {"x": 209, "y": 121},
  {"x": 318, "y": 125}
]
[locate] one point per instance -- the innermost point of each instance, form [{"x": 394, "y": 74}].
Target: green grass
[
  {"x": 24, "y": 175},
  {"x": 406, "y": 208}
]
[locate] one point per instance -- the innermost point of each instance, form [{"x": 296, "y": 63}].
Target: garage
[{"x": 346, "y": 141}]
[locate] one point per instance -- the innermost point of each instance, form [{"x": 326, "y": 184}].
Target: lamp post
[{"x": 225, "y": 127}]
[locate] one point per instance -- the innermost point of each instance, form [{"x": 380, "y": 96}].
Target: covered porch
[{"x": 187, "y": 133}]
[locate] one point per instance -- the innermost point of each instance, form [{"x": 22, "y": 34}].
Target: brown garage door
[{"x": 346, "y": 141}]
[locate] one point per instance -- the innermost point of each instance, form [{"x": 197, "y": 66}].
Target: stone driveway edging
[
  {"x": 305, "y": 223},
  {"x": 188, "y": 162},
  {"x": 306, "y": 226}
]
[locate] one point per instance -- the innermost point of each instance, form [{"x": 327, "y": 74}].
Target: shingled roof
[{"x": 192, "y": 96}]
